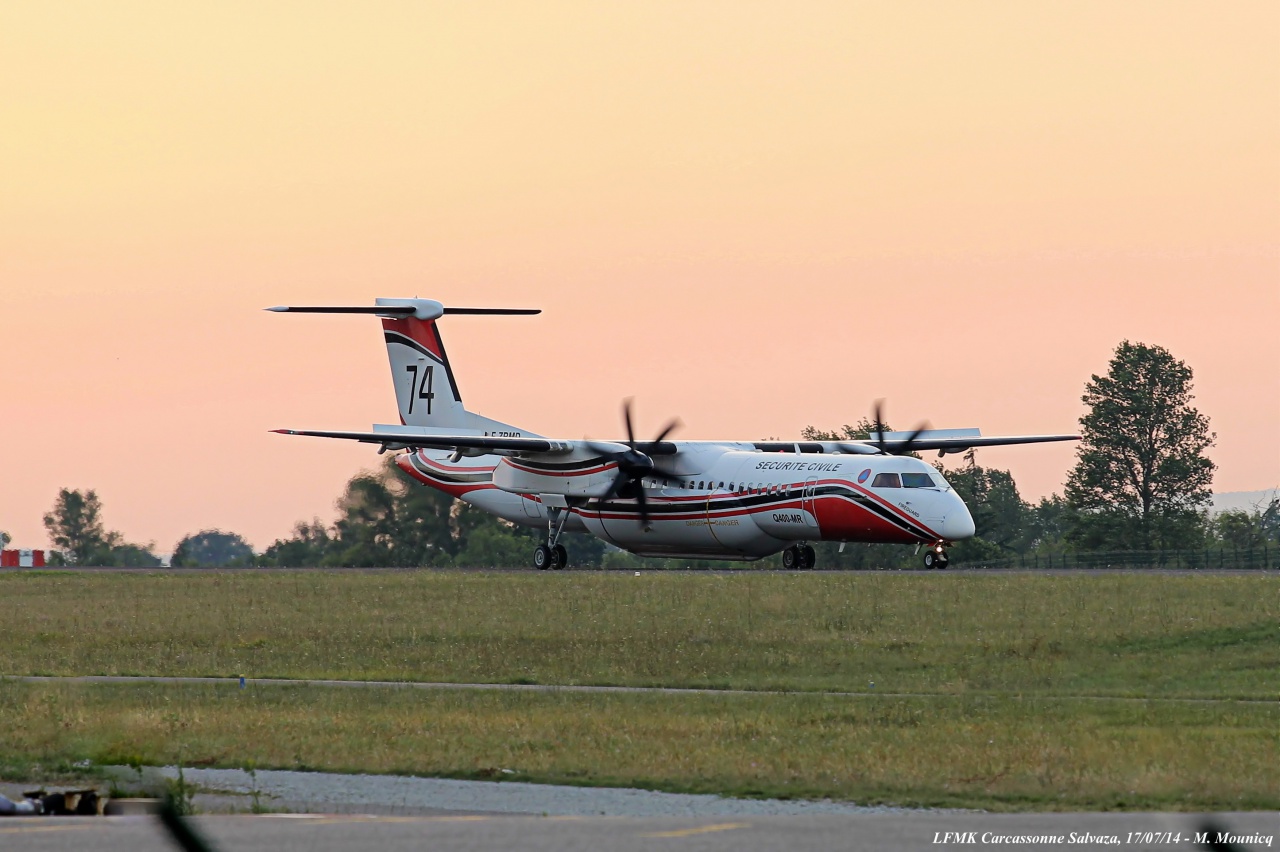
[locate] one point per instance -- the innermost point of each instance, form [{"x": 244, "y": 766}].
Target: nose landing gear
[{"x": 936, "y": 557}]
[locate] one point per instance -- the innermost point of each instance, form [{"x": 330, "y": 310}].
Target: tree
[
  {"x": 1050, "y": 524},
  {"x": 125, "y": 554},
  {"x": 75, "y": 527},
  {"x": 1141, "y": 475},
  {"x": 209, "y": 548},
  {"x": 1271, "y": 520},
  {"x": 306, "y": 549},
  {"x": 859, "y": 431}
]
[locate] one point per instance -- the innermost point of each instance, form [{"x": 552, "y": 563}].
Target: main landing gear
[
  {"x": 936, "y": 557},
  {"x": 554, "y": 558},
  {"x": 552, "y": 554},
  {"x": 799, "y": 557}
]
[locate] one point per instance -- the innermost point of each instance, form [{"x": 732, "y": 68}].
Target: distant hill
[{"x": 1246, "y": 500}]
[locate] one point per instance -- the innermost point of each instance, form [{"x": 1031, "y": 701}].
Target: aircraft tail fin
[{"x": 426, "y": 390}]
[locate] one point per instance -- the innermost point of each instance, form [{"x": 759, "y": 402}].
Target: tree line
[{"x": 1141, "y": 482}]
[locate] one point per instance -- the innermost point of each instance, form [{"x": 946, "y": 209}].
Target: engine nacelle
[{"x": 581, "y": 473}]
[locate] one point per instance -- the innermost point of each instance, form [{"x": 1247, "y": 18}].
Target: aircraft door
[{"x": 810, "y": 516}]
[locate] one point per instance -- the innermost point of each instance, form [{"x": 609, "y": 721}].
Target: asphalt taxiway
[{"x": 918, "y": 831}]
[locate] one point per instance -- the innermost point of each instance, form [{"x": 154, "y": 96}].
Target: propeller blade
[
  {"x": 626, "y": 418},
  {"x": 879, "y": 423},
  {"x": 911, "y": 439},
  {"x": 667, "y": 430},
  {"x": 619, "y": 482},
  {"x": 643, "y": 503}
]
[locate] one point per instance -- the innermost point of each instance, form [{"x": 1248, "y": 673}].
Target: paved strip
[
  {"x": 582, "y": 688},
  {"x": 407, "y": 795},
  {"x": 1138, "y": 832}
]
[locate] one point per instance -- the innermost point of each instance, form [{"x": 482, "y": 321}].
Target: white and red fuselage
[{"x": 728, "y": 501}]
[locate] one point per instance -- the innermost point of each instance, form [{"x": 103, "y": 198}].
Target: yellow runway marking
[
  {"x": 346, "y": 819},
  {"x": 702, "y": 829}
]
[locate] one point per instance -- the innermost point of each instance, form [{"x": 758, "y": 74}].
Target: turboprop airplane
[{"x": 731, "y": 500}]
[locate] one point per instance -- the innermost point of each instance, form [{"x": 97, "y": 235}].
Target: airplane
[{"x": 721, "y": 500}]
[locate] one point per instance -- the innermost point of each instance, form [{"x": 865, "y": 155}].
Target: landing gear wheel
[
  {"x": 943, "y": 561},
  {"x": 807, "y": 557},
  {"x": 790, "y": 558},
  {"x": 930, "y": 560},
  {"x": 542, "y": 557},
  {"x": 559, "y": 557}
]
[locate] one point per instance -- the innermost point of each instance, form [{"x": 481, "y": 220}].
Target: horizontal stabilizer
[
  {"x": 420, "y": 440},
  {"x": 423, "y": 309}
]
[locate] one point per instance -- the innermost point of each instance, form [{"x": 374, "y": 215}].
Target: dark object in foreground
[
  {"x": 180, "y": 828},
  {"x": 43, "y": 803},
  {"x": 1212, "y": 831}
]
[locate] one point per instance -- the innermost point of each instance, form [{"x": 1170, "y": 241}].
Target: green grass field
[
  {"x": 995, "y": 662},
  {"x": 989, "y": 752},
  {"x": 1180, "y": 635}
]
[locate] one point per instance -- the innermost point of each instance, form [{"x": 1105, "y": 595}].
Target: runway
[
  {"x": 577, "y": 688},
  {"x": 1140, "y": 832}
]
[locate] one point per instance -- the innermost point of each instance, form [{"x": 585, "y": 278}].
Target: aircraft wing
[
  {"x": 945, "y": 441},
  {"x": 961, "y": 444},
  {"x": 393, "y": 440}
]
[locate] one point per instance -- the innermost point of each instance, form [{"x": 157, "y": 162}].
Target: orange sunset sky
[{"x": 753, "y": 215}]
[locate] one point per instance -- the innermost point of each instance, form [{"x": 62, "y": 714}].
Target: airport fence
[{"x": 1260, "y": 558}]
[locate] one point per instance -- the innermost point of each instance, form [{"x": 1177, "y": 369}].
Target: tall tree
[
  {"x": 1141, "y": 474},
  {"x": 75, "y": 527},
  {"x": 76, "y": 530}
]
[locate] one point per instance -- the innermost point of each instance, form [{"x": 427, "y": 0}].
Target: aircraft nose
[{"x": 959, "y": 523}]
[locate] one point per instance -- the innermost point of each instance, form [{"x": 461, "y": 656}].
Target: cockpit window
[
  {"x": 918, "y": 480},
  {"x": 886, "y": 480}
]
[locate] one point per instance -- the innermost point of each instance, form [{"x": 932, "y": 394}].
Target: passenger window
[
  {"x": 886, "y": 480},
  {"x": 700, "y": 485},
  {"x": 918, "y": 480}
]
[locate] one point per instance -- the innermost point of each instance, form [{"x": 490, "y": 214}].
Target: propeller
[
  {"x": 879, "y": 430},
  {"x": 635, "y": 463}
]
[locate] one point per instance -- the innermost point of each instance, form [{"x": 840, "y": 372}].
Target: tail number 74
[{"x": 420, "y": 388}]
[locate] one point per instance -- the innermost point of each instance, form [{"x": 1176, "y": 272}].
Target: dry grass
[
  {"x": 998, "y": 753},
  {"x": 1126, "y": 635}
]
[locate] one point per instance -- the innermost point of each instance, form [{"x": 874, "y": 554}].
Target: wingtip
[
  {"x": 279, "y": 309},
  {"x": 282, "y": 431}
]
